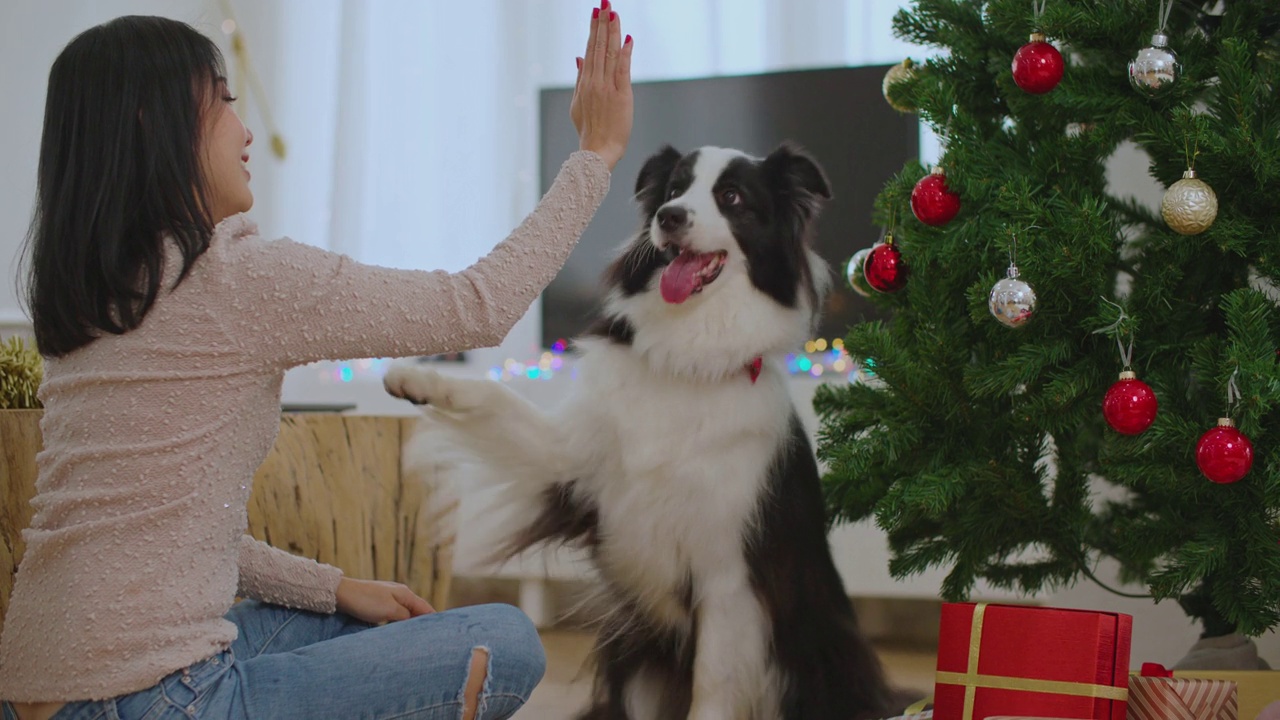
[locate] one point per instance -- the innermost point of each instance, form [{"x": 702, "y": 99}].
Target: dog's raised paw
[
  {"x": 419, "y": 386},
  {"x": 425, "y": 386}
]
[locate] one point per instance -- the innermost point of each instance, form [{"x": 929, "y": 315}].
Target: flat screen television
[{"x": 838, "y": 114}]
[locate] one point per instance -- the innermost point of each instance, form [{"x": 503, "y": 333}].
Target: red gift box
[{"x": 1037, "y": 661}]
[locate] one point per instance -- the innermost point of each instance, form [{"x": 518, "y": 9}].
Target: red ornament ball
[
  {"x": 1224, "y": 454},
  {"x": 931, "y": 202},
  {"x": 1129, "y": 405},
  {"x": 1037, "y": 66},
  {"x": 884, "y": 269}
]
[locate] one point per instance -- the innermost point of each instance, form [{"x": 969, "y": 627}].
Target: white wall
[{"x": 32, "y": 33}]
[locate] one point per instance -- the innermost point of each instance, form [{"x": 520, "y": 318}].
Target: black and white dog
[{"x": 678, "y": 460}]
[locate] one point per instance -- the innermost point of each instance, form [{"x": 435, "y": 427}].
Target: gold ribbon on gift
[
  {"x": 972, "y": 680},
  {"x": 918, "y": 707}
]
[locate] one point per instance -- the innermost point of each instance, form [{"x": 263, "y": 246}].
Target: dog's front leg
[
  {"x": 458, "y": 396},
  {"x": 484, "y": 420},
  {"x": 730, "y": 668}
]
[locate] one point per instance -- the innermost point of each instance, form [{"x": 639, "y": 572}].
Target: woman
[{"x": 167, "y": 325}]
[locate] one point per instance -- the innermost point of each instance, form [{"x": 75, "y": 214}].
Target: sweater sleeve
[
  {"x": 275, "y": 576},
  {"x": 292, "y": 304}
]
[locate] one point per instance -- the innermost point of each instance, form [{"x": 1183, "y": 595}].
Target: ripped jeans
[{"x": 289, "y": 664}]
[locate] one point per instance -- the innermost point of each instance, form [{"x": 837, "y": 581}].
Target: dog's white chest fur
[{"x": 678, "y": 470}]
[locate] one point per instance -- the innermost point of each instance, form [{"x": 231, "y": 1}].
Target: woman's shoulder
[
  {"x": 234, "y": 247},
  {"x": 239, "y": 255},
  {"x": 237, "y": 239},
  {"x": 233, "y": 231}
]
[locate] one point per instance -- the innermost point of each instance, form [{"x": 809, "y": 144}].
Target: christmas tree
[{"x": 978, "y": 439}]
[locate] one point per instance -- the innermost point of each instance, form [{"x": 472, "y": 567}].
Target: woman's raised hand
[{"x": 602, "y": 107}]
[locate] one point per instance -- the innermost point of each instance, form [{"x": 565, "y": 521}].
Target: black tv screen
[{"x": 837, "y": 114}]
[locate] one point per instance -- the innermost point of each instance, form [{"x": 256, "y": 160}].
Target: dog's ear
[
  {"x": 796, "y": 173},
  {"x": 651, "y": 183}
]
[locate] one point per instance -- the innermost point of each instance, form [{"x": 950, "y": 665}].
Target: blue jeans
[{"x": 289, "y": 664}]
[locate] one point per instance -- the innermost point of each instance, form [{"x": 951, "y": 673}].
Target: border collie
[{"x": 678, "y": 463}]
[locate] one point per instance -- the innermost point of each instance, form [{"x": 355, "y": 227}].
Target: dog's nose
[{"x": 672, "y": 218}]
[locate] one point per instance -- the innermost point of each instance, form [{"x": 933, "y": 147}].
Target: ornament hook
[
  {"x": 1191, "y": 152},
  {"x": 1162, "y": 15},
  {"x": 1233, "y": 390},
  {"x": 1126, "y": 354}
]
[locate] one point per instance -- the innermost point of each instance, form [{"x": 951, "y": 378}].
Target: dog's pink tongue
[{"x": 680, "y": 278}]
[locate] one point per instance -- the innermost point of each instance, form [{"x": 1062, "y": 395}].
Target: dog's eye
[
  {"x": 729, "y": 196},
  {"x": 672, "y": 192}
]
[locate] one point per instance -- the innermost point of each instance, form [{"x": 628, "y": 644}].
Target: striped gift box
[{"x": 1156, "y": 695}]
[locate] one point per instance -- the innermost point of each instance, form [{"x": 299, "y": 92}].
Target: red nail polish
[
  {"x": 579, "y": 62},
  {"x": 627, "y": 41},
  {"x": 604, "y": 4},
  {"x": 612, "y": 16},
  {"x": 595, "y": 14}
]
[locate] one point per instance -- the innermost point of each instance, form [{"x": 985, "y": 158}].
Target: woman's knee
[
  {"x": 477, "y": 678},
  {"x": 517, "y": 660}
]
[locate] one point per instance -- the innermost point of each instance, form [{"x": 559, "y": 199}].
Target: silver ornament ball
[
  {"x": 857, "y": 279},
  {"x": 1012, "y": 300},
  {"x": 1189, "y": 206},
  {"x": 1156, "y": 68}
]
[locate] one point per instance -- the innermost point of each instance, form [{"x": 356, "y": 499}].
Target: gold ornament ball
[
  {"x": 1190, "y": 205},
  {"x": 896, "y": 74}
]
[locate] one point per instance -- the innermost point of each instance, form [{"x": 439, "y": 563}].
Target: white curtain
[{"x": 412, "y": 125}]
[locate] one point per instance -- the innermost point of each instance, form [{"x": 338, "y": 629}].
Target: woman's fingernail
[
  {"x": 612, "y": 16},
  {"x": 604, "y": 4},
  {"x": 595, "y": 14},
  {"x": 579, "y": 62},
  {"x": 627, "y": 41}
]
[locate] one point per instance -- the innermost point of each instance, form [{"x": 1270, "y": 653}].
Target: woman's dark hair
[{"x": 119, "y": 170}]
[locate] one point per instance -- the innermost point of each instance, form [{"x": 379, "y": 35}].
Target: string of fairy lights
[{"x": 821, "y": 359}]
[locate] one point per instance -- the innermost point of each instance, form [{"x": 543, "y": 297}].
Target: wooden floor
[{"x": 566, "y": 686}]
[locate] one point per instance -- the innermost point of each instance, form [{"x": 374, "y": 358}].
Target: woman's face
[{"x": 225, "y": 152}]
